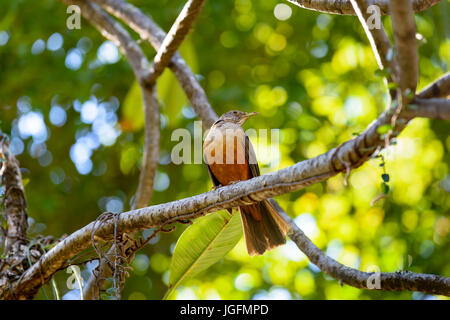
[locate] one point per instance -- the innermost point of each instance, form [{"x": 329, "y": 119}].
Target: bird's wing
[
  {"x": 250, "y": 157},
  {"x": 213, "y": 177}
]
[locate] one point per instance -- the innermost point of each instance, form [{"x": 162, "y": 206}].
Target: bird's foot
[{"x": 233, "y": 182}]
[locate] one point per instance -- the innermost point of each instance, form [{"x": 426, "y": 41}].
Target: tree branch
[
  {"x": 344, "y": 7},
  {"x": 15, "y": 204},
  {"x": 438, "y": 89},
  {"x": 434, "y": 108},
  {"x": 176, "y": 35},
  {"x": 151, "y": 149},
  {"x": 14, "y": 261},
  {"x": 404, "y": 27},
  {"x": 150, "y": 31},
  {"x": 401, "y": 280}
]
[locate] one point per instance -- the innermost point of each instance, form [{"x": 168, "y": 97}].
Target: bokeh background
[{"x": 70, "y": 102}]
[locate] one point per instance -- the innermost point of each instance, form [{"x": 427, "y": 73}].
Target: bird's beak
[{"x": 250, "y": 114}]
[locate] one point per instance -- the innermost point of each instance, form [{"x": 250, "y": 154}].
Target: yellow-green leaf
[
  {"x": 202, "y": 244},
  {"x": 132, "y": 109}
]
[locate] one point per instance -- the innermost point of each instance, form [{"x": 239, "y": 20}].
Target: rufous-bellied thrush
[{"x": 230, "y": 158}]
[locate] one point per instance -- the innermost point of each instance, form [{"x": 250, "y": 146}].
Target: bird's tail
[{"x": 264, "y": 229}]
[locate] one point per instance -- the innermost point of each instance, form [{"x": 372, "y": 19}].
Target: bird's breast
[{"x": 224, "y": 152}]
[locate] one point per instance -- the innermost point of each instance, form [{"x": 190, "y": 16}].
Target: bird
[{"x": 230, "y": 158}]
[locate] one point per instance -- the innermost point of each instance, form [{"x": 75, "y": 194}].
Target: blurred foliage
[{"x": 69, "y": 104}]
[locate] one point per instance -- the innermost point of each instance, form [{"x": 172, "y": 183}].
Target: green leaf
[
  {"x": 202, "y": 244},
  {"x": 25, "y": 181},
  {"x": 384, "y": 188},
  {"x": 132, "y": 109},
  {"x": 384, "y": 128},
  {"x": 129, "y": 157},
  {"x": 392, "y": 85}
]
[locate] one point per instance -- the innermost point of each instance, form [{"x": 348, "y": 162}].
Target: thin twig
[
  {"x": 174, "y": 38},
  {"x": 151, "y": 150}
]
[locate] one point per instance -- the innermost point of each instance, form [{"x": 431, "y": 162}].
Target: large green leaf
[{"x": 203, "y": 244}]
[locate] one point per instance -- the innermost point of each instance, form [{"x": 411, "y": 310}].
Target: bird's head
[{"x": 238, "y": 117}]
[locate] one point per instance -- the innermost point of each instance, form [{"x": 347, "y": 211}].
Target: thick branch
[
  {"x": 174, "y": 38},
  {"x": 14, "y": 259},
  {"x": 404, "y": 27},
  {"x": 15, "y": 205},
  {"x": 344, "y": 7},
  {"x": 438, "y": 89},
  {"x": 150, "y": 31},
  {"x": 435, "y": 108}
]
